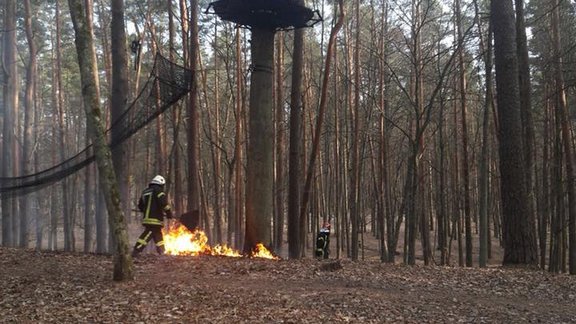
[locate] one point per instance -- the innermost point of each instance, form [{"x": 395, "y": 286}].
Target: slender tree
[
  {"x": 567, "y": 140},
  {"x": 29, "y": 98},
  {"x": 485, "y": 47},
  {"x": 238, "y": 132},
  {"x": 280, "y": 145},
  {"x": 464, "y": 124},
  {"x": 193, "y": 114},
  {"x": 10, "y": 96},
  {"x": 294, "y": 166},
  {"x": 526, "y": 107},
  {"x": 119, "y": 98},
  {"x": 123, "y": 267}
]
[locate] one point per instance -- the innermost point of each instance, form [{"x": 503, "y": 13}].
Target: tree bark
[
  {"x": 354, "y": 191},
  {"x": 29, "y": 98},
  {"x": 10, "y": 95},
  {"x": 518, "y": 238},
  {"x": 526, "y": 109},
  {"x": 280, "y": 145},
  {"x": 194, "y": 197},
  {"x": 119, "y": 99},
  {"x": 294, "y": 166},
  {"x": 238, "y": 165},
  {"x": 123, "y": 267},
  {"x": 260, "y": 154},
  {"x": 484, "y": 155},
  {"x": 567, "y": 140},
  {"x": 62, "y": 139},
  {"x": 464, "y": 123}
]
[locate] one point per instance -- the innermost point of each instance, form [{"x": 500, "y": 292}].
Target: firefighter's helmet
[{"x": 159, "y": 180}]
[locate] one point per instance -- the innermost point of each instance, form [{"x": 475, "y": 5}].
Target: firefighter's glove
[{"x": 169, "y": 213}]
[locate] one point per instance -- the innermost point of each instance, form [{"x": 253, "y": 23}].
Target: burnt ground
[{"x": 77, "y": 288}]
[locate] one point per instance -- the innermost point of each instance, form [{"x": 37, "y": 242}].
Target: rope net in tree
[{"x": 167, "y": 84}]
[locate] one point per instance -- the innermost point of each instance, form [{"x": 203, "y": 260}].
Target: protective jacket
[
  {"x": 323, "y": 243},
  {"x": 154, "y": 204}
]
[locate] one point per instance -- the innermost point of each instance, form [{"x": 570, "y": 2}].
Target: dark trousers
[
  {"x": 322, "y": 245},
  {"x": 151, "y": 232}
]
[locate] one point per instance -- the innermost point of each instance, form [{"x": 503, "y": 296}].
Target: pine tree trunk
[
  {"x": 194, "y": 195},
  {"x": 179, "y": 196},
  {"x": 260, "y": 152},
  {"x": 518, "y": 231},
  {"x": 29, "y": 99},
  {"x": 464, "y": 124},
  {"x": 280, "y": 145},
  {"x": 354, "y": 193},
  {"x": 238, "y": 165},
  {"x": 484, "y": 155},
  {"x": 526, "y": 109},
  {"x": 294, "y": 165},
  {"x": 10, "y": 96},
  {"x": 566, "y": 135}
]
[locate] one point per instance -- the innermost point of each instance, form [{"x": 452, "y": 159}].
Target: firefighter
[
  {"x": 323, "y": 242},
  {"x": 153, "y": 203}
]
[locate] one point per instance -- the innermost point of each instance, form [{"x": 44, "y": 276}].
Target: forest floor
[{"x": 41, "y": 287}]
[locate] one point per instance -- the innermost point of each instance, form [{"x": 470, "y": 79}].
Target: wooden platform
[{"x": 265, "y": 14}]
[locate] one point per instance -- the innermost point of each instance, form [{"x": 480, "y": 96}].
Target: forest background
[{"x": 408, "y": 156}]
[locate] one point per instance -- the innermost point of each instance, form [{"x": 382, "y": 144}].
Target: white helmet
[{"x": 159, "y": 180}]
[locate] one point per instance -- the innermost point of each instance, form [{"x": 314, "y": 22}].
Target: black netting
[{"x": 167, "y": 84}]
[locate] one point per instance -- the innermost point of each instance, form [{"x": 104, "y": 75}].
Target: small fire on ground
[{"x": 181, "y": 241}]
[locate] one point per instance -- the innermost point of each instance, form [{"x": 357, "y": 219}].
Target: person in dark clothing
[
  {"x": 323, "y": 242},
  {"x": 153, "y": 203}
]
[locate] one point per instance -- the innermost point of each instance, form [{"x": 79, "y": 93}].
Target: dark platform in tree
[{"x": 265, "y": 14}]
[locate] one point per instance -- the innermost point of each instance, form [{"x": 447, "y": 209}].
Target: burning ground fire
[{"x": 180, "y": 241}]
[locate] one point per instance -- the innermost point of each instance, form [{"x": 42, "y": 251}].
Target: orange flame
[
  {"x": 180, "y": 241},
  {"x": 262, "y": 252}
]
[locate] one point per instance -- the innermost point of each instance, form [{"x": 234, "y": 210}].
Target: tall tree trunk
[
  {"x": 518, "y": 231},
  {"x": 62, "y": 139},
  {"x": 485, "y": 47},
  {"x": 194, "y": 195},
  {"x": 29, "y": 98},
  {"x": 260, "y": 153},
  {"x": 566, "y": 134},
  {"x": 338, "y": 168},
  {"x": 465, "y": 167},
  {"x": 123, "y": 267},
  {"x": 177, "y": 112},
  {"x": 442, "y": 213},
  {"x": 238, "y": 165},
  {"x": 416, "y": 142},
  {"x": 385, "y": 185},
  {"x": 10, "y": 95},
  {"x": 294, "y": 166},
  {"x": 354, "y": 193},
  {"x": 280, "y": 145},
  {"x": 526, "y": 109},
  {"x": 119, "y": 99}
]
